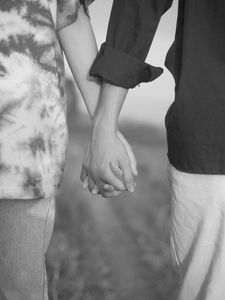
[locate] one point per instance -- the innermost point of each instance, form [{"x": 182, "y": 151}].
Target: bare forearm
[
  {"x": 109, "y": 106},
  {"x": 79, "y": 45}
]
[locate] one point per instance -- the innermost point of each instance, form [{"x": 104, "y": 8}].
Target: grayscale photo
[{"x": 112, "y": 150}]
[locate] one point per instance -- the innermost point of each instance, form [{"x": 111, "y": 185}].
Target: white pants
[{"x": 198, "y": 234}]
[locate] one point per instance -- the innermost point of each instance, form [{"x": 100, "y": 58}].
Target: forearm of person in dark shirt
[
  {"x": 106, "y": 148},
  {"x": 107, "y": 154},
  {"x": 131, "y": 30},
  {"x": 120, "y": 65},
  {"x": 109, "y": 106}
]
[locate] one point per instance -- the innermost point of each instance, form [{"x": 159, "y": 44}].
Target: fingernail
[
  {"x": 84, "y": 185},
  {"x": 108, "y": 188},
  {"x": 94, "y": 191},
  {"x": 131, "y": 187}
]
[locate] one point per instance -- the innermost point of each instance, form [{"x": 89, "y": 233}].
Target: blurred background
[{"x": 118, "y": 249}]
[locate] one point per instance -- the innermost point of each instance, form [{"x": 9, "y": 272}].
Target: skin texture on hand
[{"x": 106, "y": 189}]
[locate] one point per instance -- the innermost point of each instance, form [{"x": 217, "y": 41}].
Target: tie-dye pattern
[{"x": 33, "y": 127}]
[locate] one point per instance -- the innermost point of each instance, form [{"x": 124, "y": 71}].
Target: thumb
[{"x": 130, "y": 153}]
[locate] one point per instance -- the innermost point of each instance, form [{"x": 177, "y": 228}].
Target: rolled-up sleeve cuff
[{"x": 122, "y": 69}]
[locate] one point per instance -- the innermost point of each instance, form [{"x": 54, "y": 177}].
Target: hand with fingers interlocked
[{"x": 109, "y": 165}]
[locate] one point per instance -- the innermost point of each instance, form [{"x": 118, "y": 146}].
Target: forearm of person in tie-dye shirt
[{"x": 79, "y": 45}]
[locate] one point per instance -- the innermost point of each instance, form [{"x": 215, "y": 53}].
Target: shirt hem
[{"x": 196, "y": 158}]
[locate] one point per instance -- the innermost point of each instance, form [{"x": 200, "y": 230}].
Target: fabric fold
[{"x": 122, "y": 69}]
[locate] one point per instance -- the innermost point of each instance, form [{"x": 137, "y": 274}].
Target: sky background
[{"x": 149, "y": 102}]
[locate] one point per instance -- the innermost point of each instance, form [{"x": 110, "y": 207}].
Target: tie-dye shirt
[{"x": 33, "y": 127}]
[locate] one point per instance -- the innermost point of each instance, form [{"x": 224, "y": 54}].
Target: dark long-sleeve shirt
[{"x": 195, "y": 121}]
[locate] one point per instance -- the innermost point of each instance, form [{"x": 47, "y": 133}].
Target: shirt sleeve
[
  {"x": 132, "y": 27},
  {"x": 68, "y": 10}
]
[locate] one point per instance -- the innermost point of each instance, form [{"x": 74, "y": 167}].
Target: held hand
[
  {"x": 130, "y": 153},
  {"x": 112, "y": 156},
  {"x": 108, "y": 158},
  {"x": 116, "y": 170},
  {"x": 109, "y": 189},
  {"x": 89, "y": 183}
]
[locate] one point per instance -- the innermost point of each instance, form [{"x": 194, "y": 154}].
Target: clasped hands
[{"x": 109, "y": 165}]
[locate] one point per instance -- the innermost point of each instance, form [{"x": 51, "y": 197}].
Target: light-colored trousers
[
  {"x": 26, "y": 228},
  {"x": 198, "y": 233},
  {"x": 197, "y": 239}
]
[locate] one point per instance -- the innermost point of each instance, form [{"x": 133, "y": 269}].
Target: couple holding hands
[{"x": 33, "y": 132}]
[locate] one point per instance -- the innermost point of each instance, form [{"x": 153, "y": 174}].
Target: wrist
[
  {"x": 102, "y": 131},
  {"x": 104, "y": 121},
  {"x": 104, "y": 126}
]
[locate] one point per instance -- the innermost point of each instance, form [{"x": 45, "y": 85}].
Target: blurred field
[{"x": 113, "y": 249}]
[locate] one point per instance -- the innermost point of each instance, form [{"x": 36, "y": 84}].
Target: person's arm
[
  {"x": 131, "y": 30},
  {"x": 79, "y": 45},
  {"x": 80, "y": 48},
  {"x": 108, "y": 155},
  {"x": 120, "y": 65}
]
